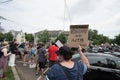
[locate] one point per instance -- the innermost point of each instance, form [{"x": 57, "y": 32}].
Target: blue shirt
[
  {"x": 32, "y": 50},
  {"x": 57, "y": 73}
]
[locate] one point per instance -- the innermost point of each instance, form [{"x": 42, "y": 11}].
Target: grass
[{"x": 9, "y": 74}]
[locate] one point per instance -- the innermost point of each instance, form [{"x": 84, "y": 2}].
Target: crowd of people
[
  {"x": 41, "y": 56},
  {"x": 59, "y": 59}
]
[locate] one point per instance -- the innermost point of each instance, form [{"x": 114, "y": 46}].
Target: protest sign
[
  {"x": 78, "y": 36},
  {"x": 59, "y": 44}
]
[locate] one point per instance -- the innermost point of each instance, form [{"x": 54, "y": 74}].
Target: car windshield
[
  {"x": 116, "y": 61},
  {"x": 101, "y": 60}
]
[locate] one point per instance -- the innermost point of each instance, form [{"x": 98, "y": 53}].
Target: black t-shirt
[
  {"x": 1, "y": 53},
  {"x": 13, "y": 48}
]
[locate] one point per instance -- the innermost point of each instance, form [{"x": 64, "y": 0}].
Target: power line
[
  {"x": 18, "y": 23},
  {"x": 5, "y": 1},
  {"x": 66, "y": 10}
]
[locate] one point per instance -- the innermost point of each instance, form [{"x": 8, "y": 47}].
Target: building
[
  {"x": 19, "y": 36},
  {"x": 54, "y": 33}
]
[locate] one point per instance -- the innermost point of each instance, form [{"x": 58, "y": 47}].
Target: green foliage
[
  {"x": 92, "y": 34},
  {"x": 8, "y": 36},
  {"x": 117, "y": 39},
  {"x": 62, "y": 38},
  {"x": 97, "y": 38},
  {"x": 95, "y": 42},
  {"x": 9, "y": 74},
  {"x": 29, "y": 37},
  {"x": 44, "y": 37},
  {"x": 112, "y": 41},
  {"x": 1, "y": 36}
]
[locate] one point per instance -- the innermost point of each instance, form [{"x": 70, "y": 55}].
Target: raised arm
[{"x": 83, "y": 57}]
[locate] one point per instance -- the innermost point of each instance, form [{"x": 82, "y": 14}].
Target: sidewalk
[{"x": 25, "y": 72}]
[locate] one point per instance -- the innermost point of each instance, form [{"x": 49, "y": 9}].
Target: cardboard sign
[{"x": 78, "y": 36}]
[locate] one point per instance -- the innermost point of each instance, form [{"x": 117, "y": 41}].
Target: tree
[
  {"x": 1, "y": 36},
  {"x": 44, "y": 37},
  {"x": 62, "y": 38},
  {"x": 92, "y": 34},
  {"x": 117, "y": 39},
  {"x": 29, "y": 37},
  {"x": 8, "y": 36},
  {"x": 97, "y": 38}
]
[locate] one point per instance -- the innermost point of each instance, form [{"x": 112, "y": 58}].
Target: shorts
[
  {"x": 41, "y": 65},
  {"x": 25, "y": 53}
]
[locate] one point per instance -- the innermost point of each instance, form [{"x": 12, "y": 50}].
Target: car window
[
  {"x": 113, "y": 62},
  {"x": 106, "y": 61},
  {"x": 97, "y": 61},
  {"x": 76, "y": 55}
]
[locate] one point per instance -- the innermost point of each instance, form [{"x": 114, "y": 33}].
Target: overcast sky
[{"x": 36, "y": 15}]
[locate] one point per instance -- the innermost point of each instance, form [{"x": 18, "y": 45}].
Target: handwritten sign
[
  {"x": 58, "y": 43},
  {"x": 78, "y": 36}
]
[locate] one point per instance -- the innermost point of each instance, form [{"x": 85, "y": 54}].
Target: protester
[
  {"x": 52, "y": 56},
  {"x": 37, "y": 55},
  {"x": 41, "y": 59},
  {"x": 27, "y": 49},
  {"x": 14, "y": 50},
  {"x": 21, "y": 49},
  {"x": 67, "y": 69},
  {"x": 4, "y": 55},
  {"x": 32, "y": 56}
]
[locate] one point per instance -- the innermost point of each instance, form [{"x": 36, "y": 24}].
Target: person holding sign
[
  {"x": 67, "y": 69},
  {"x": 52, "y": 56}
]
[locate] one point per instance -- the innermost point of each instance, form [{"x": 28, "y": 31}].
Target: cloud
[{"x": 36, "y": 15}]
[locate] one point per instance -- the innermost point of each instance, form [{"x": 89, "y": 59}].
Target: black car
[{"x": 103, "y": 66}]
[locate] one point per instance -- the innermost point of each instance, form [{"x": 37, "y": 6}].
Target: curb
[{"x": 15, "y": 73}]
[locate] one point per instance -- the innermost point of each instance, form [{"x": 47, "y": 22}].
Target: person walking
[
  {"x": 4, "y": 55},
  {"x": 27, "y": 49},
  {"x": 32, "y": 56},
  {"x": 52, "y": 56},
  {"x": 41, "y": 59},
  {"x": 14, "y": 50},
  {"x": 67, "y": 69}
]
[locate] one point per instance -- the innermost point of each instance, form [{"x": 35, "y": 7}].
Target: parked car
[
  {"x": 95, "y": 49},
  {"x": 103, "y": 66}
]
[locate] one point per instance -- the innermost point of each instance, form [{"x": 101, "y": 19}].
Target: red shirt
[{"x": 52, "y": 55}]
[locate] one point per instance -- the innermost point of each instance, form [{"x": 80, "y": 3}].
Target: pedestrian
[
  {"x": 67, "y": 69},
  {"x": 4, "y": 56},
  {"x": 14, "y": 50},
  {"x": 52, "y": 56},
  {"x": 26, "y": 52},
  {"x": 41, "y": 59},
  {"x": 32, "y": 56},
  {"x": 37, "y": 55}
]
